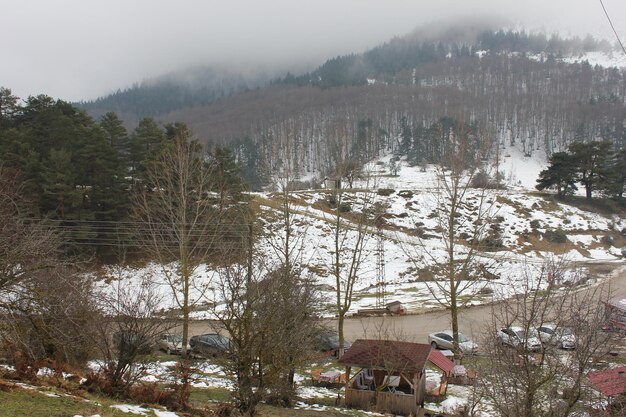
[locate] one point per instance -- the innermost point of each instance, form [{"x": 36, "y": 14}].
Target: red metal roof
[
  {"x": 387, "y": 355},
  {"x": 440, "y": 361},
  {"x": 611, "y": 382}
]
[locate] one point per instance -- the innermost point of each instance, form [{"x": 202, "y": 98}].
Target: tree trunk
[
  {"x": 185, "y": 272},
  {"x": 340, "y": 322}
]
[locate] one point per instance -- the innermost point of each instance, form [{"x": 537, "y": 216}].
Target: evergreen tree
[
  {"x": 224, "y": 170},
  {"x": 592, "y": 164},
  {"x": 145, "y": 144},
  {"x": 9, "y": 107},
  {"x": 60, "y": 198},
  {"x": 117, "y": 135},
  {"x": 560, "y": 174},
  {"x": 618, "y": 174}
]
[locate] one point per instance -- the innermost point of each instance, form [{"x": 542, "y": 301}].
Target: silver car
[
  {"x": 515, "y": 336},
  {"x": 444, "y": 340},
  {"x": 170, "y": 343},
  {"x": 562, "y": 337}
]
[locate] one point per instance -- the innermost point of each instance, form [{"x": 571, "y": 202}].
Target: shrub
[
  {"x": 535, "y": 224},
  {"x": 483, "y": 180},
  {"x": 386, "y": 191},
  {"x": 555, "y": 236},
  {"x": 344, "y": 207}
]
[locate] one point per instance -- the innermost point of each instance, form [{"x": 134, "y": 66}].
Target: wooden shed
[{"x": 390, "y": 376}]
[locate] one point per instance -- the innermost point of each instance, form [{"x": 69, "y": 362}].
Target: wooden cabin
[{"x": 389, "y": 376}]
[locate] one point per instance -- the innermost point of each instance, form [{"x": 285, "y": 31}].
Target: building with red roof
[
  {"x": 610, "y": 382},
  {"x": 391, "y": 377}
]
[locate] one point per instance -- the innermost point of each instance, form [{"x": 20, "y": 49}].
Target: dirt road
[{"x": 473, "y": 321}]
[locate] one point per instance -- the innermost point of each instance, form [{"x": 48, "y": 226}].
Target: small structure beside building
[{"x": 390, "y": 378}]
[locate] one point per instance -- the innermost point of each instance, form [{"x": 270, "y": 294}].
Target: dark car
[
  {"x": 210, "y": 344},
  {"x": 329, "y": 342}
]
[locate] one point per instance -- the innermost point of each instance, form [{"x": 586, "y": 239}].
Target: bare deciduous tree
[
  {"x": 464, "y": 218},
  {"x": 128, "y": 328},
  {"x": 179, "y": 222},
  {"x": 521, "y": 382},
  {"x": 350, "y": 236},
  {"x": 270, "y": 318},
  {"x": 26, "y": 246},
  {"x": 45, "y": 306}
]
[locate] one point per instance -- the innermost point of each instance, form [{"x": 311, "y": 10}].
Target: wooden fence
[{"x": 390, "y": 402}]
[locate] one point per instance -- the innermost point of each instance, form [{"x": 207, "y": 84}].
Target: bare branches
[
  {"x": 522, "y": 380},
  {"x": 128, "y": 328},
  {"x": 185, "y": 225}
]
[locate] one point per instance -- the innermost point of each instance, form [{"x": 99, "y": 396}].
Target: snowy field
[{"x": 408, "y": 255}]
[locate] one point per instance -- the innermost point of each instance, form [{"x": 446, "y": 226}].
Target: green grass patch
[
  {"x": 202, "y": 395},
  {"x": 21, "y": 402}
]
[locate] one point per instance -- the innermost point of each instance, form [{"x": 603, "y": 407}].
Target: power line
[{"x": 612, "y": 27}]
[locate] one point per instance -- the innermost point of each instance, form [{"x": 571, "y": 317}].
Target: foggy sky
[{"x": 82, "y": 49}]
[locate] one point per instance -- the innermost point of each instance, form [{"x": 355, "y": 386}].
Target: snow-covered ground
[{"x": 408, "y": 255}]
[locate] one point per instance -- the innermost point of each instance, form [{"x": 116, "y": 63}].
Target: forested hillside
[
  {"x": 508, "y": 99},
  {"x": 81, "y": 175},
  {"x": 407, "y": 97},
  {"x": 195, "y": 87}
]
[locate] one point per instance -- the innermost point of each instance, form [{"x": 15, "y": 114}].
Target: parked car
[
  {"x": 444, "y": 340},
  {"x": 562, "y": 337},
  {"x": 170, "y": 343},
  {"x": 516, "y": 336},
  {"x": 210, "y": 344},
  {"x": 329, "y": 342}
]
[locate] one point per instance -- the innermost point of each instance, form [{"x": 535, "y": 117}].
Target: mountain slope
[
  {"x": 407, "y": 97},
  {"x": 412, "y": 243}
]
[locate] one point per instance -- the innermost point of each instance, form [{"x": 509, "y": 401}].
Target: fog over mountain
[{"x": 79, "y": 50}]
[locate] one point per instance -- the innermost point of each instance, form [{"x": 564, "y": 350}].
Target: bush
[
  {"x": 535, "y": 224},
  {"x": 386, "y": 191},
  {"x": 483, "y": 180},
  {"x": 344, "y": 207},
  {"x": 555, "y": 236}
]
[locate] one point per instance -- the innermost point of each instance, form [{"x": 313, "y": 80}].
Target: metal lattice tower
[{"x": 380, "y": 260}]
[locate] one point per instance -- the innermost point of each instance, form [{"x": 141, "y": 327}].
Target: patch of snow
[
  {"x": 132, "y": 409},
  {"x": 45, "y": 372},
  {"x": 161, "y": 413}
]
